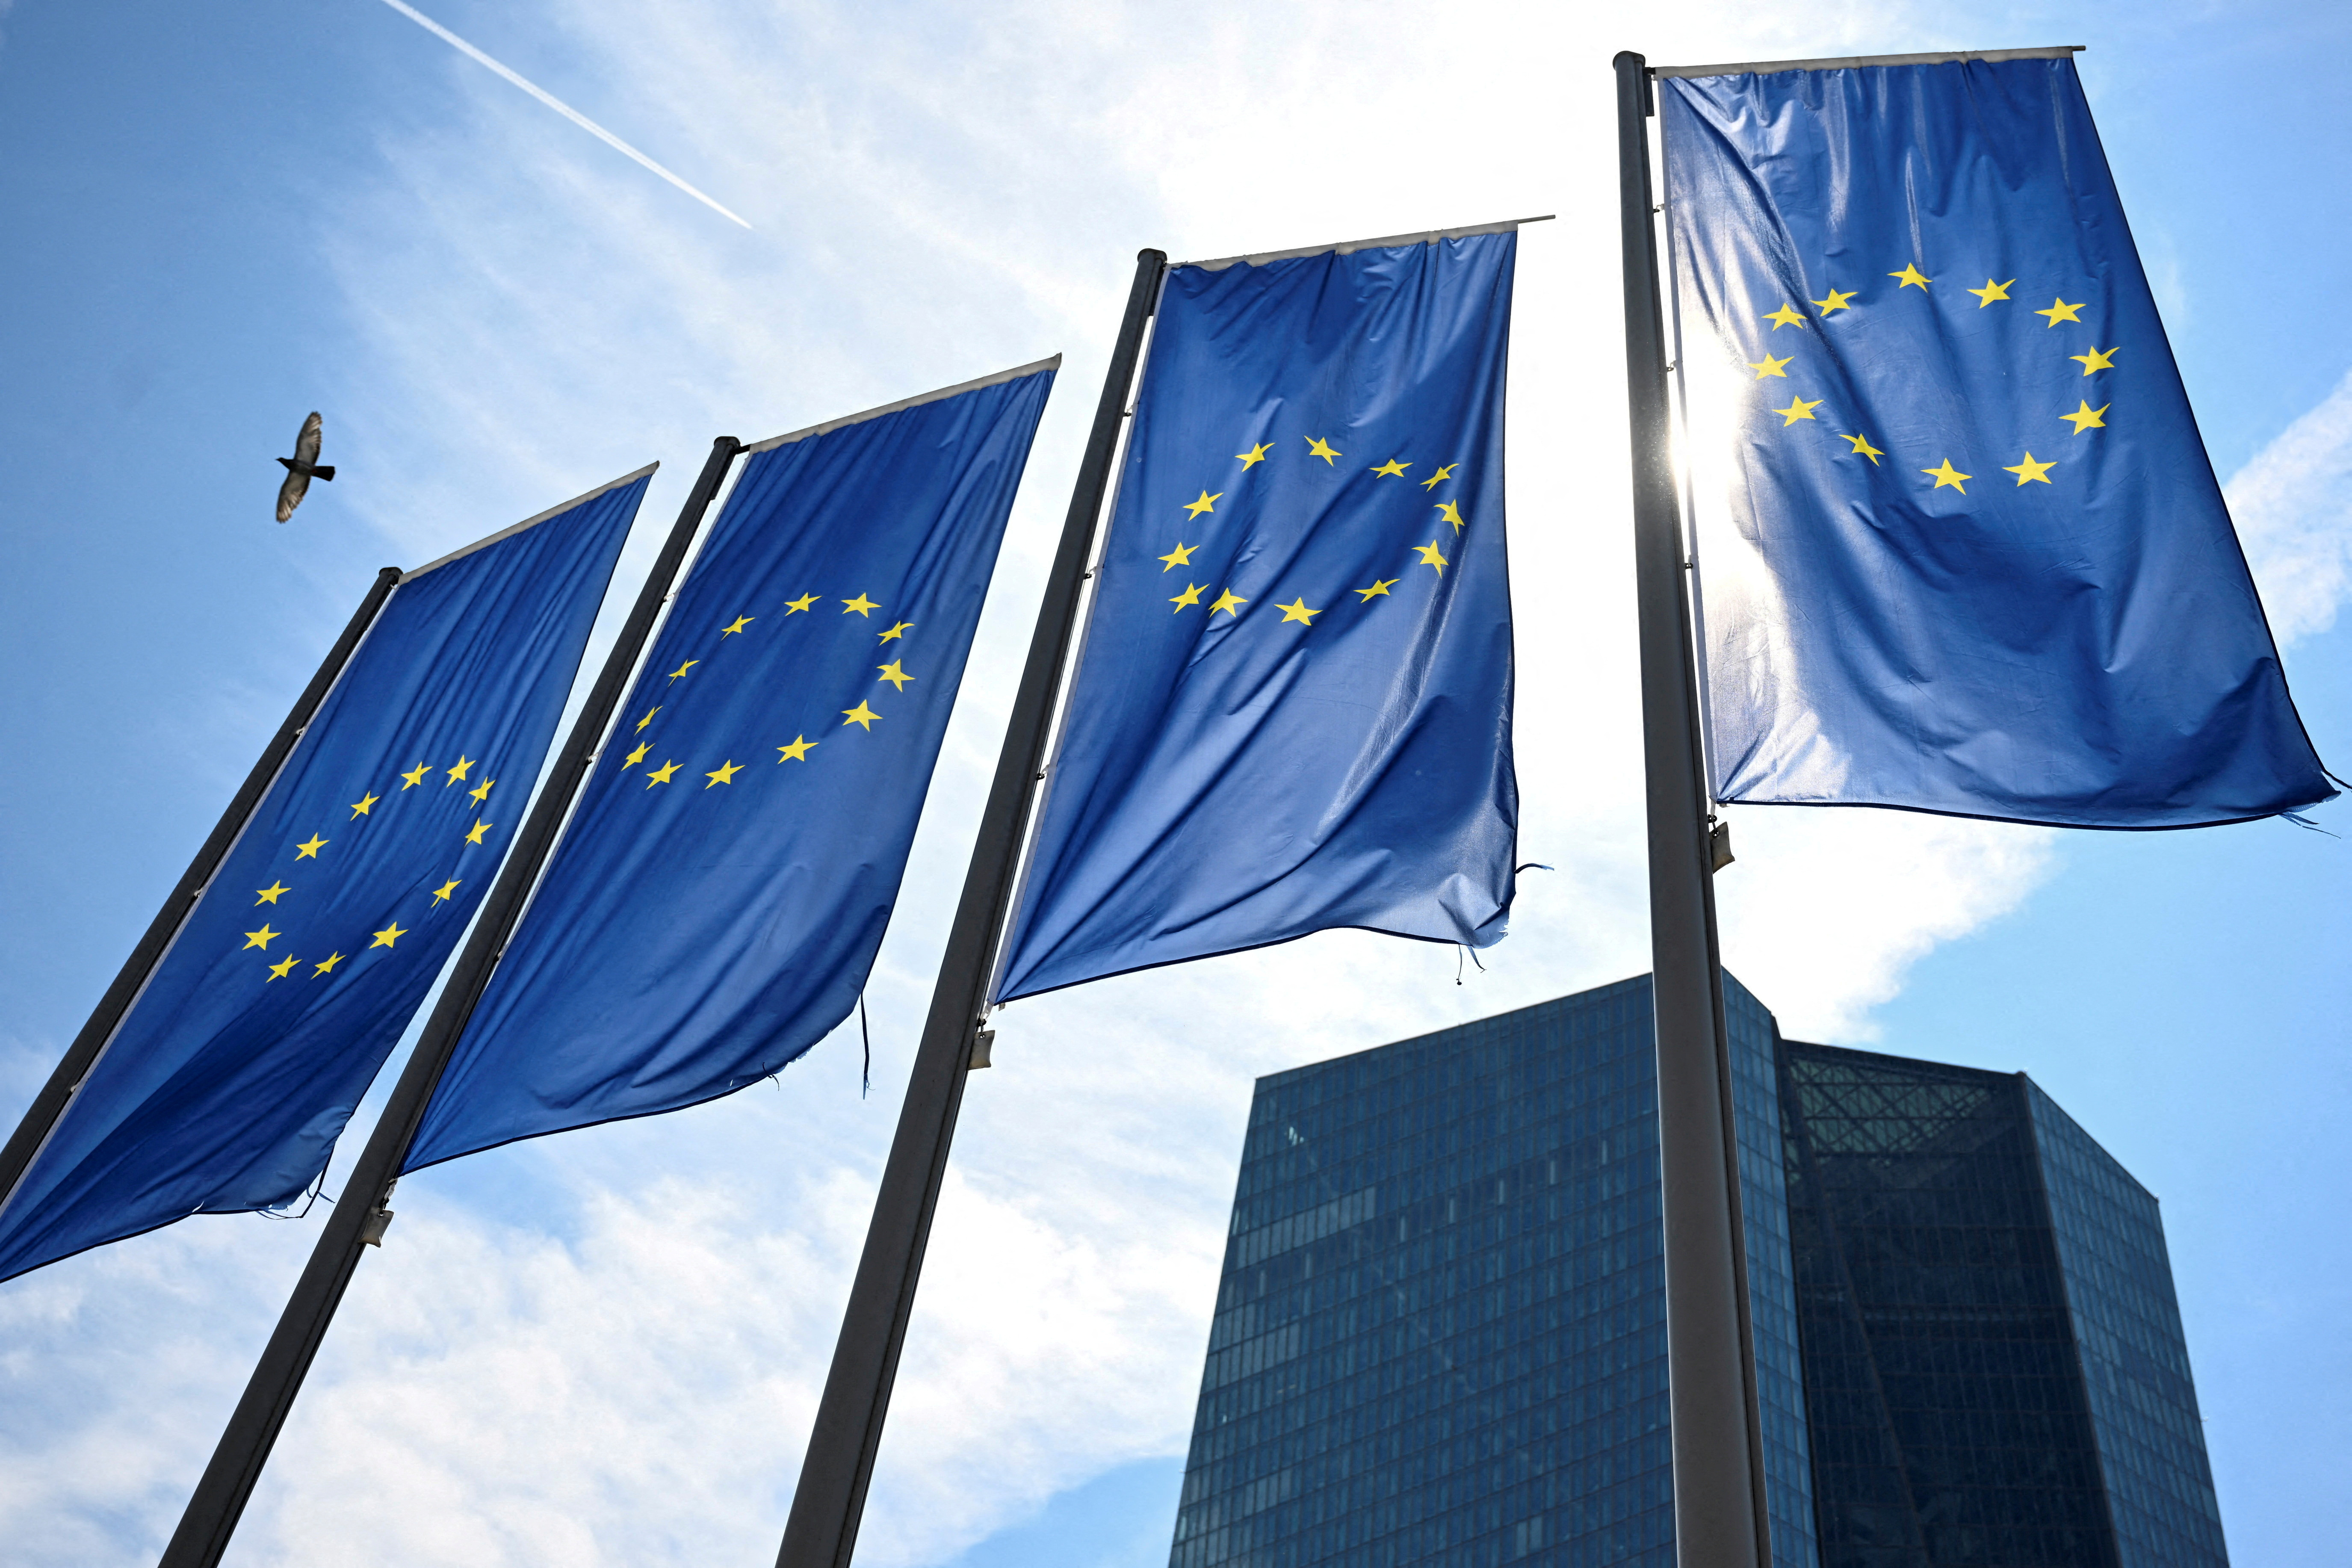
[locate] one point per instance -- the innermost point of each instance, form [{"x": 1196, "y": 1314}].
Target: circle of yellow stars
[
  {"x": 799, "y": 749},
  {"x": 280, "y": 964},
  {"x": 1994, "y": 292},
  {"x": 1228, "y": 603}
]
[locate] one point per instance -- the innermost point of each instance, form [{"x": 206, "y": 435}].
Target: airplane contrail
[{"x": 555, "y": 103}]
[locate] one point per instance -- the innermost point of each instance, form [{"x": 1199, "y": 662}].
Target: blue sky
[{"x": 606, "y": 1347}]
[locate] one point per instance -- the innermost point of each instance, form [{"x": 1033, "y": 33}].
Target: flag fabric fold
[
  {"x": 1292, "y": 712},
  {"x": 230, "y": 1078},
  {"x": 1961, "y": 548},
  {"x": 714, "y": 906}
]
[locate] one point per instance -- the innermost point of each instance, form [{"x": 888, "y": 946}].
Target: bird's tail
[{"x": 326, "y": 473}]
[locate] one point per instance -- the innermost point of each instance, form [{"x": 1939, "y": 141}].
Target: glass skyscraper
[{"x": 1440, "y": 1338}]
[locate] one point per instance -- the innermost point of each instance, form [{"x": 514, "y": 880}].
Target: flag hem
[
  {"x": 1034, "y": 367},
  {"x": 2035, "y": 821},
  {"x": 512, "y": 529},
  {"x": 1350, "y": 247},
  {"x": 1855, "y": 62},
  {"x": 1248, "y": 947}
]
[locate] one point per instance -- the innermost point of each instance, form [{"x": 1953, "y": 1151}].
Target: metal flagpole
[
  {"x": 82, "y": 1055},
  {"x": 360, "y": 1219},
  {"x": 822, "y": 1531},
  {"x": 1720, "y": 1514}
]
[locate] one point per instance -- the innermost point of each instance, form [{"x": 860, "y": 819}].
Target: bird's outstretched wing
[{"x": 298, "y": 472}]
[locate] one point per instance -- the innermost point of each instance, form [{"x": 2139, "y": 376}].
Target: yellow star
[
  {"x": 724, "y": 773},
  {"x": 1440, "y": 477},
  {"x": 2060, "y": 312},
  {"x": 1254, "y": 457},
  {"x": 1229, "y": 602},
  {"x": 862, "y": 716},
  {"x": 633, "y": 758},
  {"x": 1206, "y": 503},
  {"x": 1945, "y": 474},
  {"x": 1786, "y": 316},
  {"x": 483, "y": 793},
  {"x": 895, "y": 633},
  {"x": 2086, "y": 417},
  {"x": 1912, "y": 278},
  {"x": 859, "y": 606},
  {"x": 459, "y": 771},
  {"x": 269, "y": 894},
  {"x": 1316, "y": 447},
  {"x": 359, "y": 807},
  {"x": 2029, "y": 470},
  {"x": 261, "y": 938},
  {"x": 647, "y": 719},
  {"x": 327, "y": 967},
  {"x": 1430, "y": 557},
  {"x": 1990, "y": 291},
  {"x": 1451, "y": 513},
  {"x": 897, "y": 677},
  {"x": 1297, "y": 611},
  {"x": 474, "y": 833},
  {"x": 737, "y": 625},
  {"x": 1180, "y": 556},
  {"x": 661, "y": 774},
  {"x": 1381, "y": 587},
  {"x": 445, "y": 892},
  {"x": 682, "y": 668},
  {"x": 388, "y": 935},
  {"x": 2098, "y": 359},
  {"x": 416, "y": 775},
  {"x": 1835, "y": 302},
  {"x": 281, "y": 969},
  {"x": 1797, "y": 409},
  {"x": 798, "y": 750},
  {"x": 1767, "y": 365},
  {"x": 1392, "y": 468},
  {"x": 1862, "y": 448},
  {"x": 794, "y": 607},
  {"x": 1191, "y": 595},
  {"x": 310, "y": 851}
]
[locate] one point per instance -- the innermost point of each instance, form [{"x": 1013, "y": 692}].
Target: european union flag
[
  {"x": 226, "y": 1084},
  {"x": 1293, "y": 711},
  {"x": 1961, "y": 549},
  {"x": 714, "y": 907}
]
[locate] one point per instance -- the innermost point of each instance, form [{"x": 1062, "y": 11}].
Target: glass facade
[{"x": 1440, "y": 1337}]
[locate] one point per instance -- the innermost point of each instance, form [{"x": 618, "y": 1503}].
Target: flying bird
[{"x": 301, "y": 468}]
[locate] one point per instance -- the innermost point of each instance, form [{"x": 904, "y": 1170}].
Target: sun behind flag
[
  {"x": 1960, "y": 546},
  {"x": 1293, "y": 711},
  {"x": 228, "y": 1081},
  {"x": 714, "y": 907}
]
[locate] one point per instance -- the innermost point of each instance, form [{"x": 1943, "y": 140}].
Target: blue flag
[
  {"x": 1293, "y": 711},
  {"x": 227, "y": 1082},
  {"x": 1961, "y": 548},
  {"x": 714, "y": 907}
]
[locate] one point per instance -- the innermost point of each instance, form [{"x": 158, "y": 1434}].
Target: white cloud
[{"x": 2292, "y": 505}]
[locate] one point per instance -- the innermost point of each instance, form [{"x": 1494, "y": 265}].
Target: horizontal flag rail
[
  {"x": 1350, "y": 247},
  {"x": 508, "y": 532},
  {"x": 1051, "y": 362},
  {"x": 1854, "y": 62}
]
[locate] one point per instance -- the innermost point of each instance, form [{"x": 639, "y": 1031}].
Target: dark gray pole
[
  {"x": 82, "y": 1055},
  {"x": 1720, "y": 1514},
  {"x": 360, "y": 1219},
  {"x": 822, "y": 1531}
]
